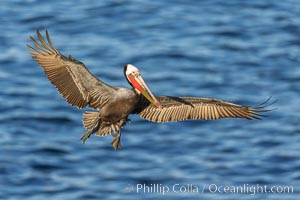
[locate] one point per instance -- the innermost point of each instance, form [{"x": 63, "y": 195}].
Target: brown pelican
[{"x": 80, "y": 88}]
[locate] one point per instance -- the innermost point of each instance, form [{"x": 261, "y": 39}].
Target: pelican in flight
[{"x": 113, "y": 104}]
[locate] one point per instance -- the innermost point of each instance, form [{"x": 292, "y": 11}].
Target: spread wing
[
  {"x": 72, "y": 79},
  {"x": 184, "y": 108}
]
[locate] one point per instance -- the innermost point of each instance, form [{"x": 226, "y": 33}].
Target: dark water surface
[{"x": 241, "y": 51}]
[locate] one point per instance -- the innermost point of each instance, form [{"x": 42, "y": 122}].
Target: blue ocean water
[{"x": 240, "y": 51}]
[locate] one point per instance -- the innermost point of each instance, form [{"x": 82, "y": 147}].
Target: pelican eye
[{"x": 135, "y": 74}]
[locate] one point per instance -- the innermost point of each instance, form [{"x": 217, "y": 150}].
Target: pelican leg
[
  {"x": 116, "y": 141},
  {"x": 90, "y": 118},
  {"x": 86, "y": 136}
]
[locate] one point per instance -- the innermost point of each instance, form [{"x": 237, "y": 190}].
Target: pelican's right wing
[
  {"x": 69, "y": 76},
  {"x": 184, "y": 108}
]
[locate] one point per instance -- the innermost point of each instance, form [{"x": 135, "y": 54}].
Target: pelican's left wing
[
  {"x": 184, "y": 108},
  {"x": 71, "y": 78}
]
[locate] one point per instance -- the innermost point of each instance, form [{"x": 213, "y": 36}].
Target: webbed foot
[
  {"x": 85, "y": 136},
  {"x": 116, "y": 141}
]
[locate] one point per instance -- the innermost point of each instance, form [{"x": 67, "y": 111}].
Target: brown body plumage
[{"x": 80, "y": 88}]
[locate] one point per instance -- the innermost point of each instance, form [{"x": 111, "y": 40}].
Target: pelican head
[{"x": 135, "y": 79}]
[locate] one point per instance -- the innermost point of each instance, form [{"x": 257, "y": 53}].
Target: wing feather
[
  {"x": 184, "y": 108},
  {"x": 71, "y": 78}
]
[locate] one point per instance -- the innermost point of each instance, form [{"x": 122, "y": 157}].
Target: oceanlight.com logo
[{"x": 162, "y": 189}]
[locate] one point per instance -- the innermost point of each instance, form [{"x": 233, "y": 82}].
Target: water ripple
[{"x": 241, "y": 51}]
